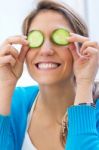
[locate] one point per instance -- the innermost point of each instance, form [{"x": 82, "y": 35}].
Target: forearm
[
  {"x": 6, "y": 92},
  {"x": 82, "y": 131},
  {"x": 7, "y": 141},
  {"x": 83, "y": 93}
]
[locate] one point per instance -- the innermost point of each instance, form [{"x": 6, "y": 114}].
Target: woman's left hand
[{"x": 86, "y": 58}]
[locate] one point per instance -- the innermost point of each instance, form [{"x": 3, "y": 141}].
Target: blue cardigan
[{"x": 83, "y": 128}]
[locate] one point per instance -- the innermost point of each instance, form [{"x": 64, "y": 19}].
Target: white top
[{"x": 27, "y": 144}]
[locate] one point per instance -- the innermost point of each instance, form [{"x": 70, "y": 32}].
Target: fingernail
[
  {"x": 68, "y": 38},
  {"x": 24, "y": 36},
  {"x": 71, "y": 33},
  {"x": 26, "y": 42}
]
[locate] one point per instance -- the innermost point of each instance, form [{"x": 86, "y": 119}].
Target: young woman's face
[{"x": 50, "y": 63}]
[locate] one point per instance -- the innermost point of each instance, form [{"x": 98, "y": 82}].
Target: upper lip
[{"x": 47, "y": 62}]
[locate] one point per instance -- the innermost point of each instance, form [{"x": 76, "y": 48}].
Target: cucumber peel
[
  {"x": 59, "y": 36},
  {"x": 35, "y": 38}
]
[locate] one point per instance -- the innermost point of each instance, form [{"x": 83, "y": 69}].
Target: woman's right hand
[{"x": 11, "y": 61}]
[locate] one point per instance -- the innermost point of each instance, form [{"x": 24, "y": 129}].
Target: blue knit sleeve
[
  {"x": 7, "y": 141},
  {"x": 12, "y": 126},
  {"x": 83, "y": 128}
]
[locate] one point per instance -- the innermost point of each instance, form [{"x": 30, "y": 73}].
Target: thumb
[
  {"x": 23, "y": 53},
  {"x": 74, "y": 51}
]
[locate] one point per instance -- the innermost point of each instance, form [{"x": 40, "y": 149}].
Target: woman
[{"x": 60, "y": 113}]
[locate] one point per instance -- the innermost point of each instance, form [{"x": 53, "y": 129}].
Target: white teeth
[{"x": 47, "y": 65}]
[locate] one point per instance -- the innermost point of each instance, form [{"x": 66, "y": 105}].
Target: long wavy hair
[{"x": 77, "y": 24}]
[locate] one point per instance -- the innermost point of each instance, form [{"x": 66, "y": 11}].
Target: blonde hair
[{"x": 76, "y": 22}]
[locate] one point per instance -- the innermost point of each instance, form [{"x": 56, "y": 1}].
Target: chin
[
  {"x": 48, "y": 81},
  {"x": 50, "y": 78}
]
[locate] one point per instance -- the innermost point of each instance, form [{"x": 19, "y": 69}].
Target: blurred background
[{"x": 12, "y": 13}]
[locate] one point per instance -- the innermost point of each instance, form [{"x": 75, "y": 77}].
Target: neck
[{"x": 54, "y": 100}]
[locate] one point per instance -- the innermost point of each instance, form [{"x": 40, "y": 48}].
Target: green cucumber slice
[
  {"x": 59, "y": 36},
  {"x": 35, "y": 38}
]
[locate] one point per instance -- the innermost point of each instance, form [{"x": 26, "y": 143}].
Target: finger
[
  {"x": 4, "y": 60},
  {"x": 23, "y": 53},
  {"x": 74, "y": 51},
  {"x": 8, "y": 49},
  {"x": 89, "y": 44},
  {"x": 90, "y": 51},
  {"x": 16, "y": 40},
  {"x": 77, "y": 38}
]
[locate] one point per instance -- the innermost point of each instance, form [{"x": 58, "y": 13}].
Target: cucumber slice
[
  {"x": 59, "y": 36},
  {"x": 35, "y": 38}
]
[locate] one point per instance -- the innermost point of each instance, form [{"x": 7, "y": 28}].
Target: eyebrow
[
  {"x": 52, "y": 30},
  {"x": 34, "y": 30}
]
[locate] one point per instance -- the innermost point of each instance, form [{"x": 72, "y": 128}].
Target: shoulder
[
  {"x": 22, "y": 100},
  {"x": 23, "y": 97}
]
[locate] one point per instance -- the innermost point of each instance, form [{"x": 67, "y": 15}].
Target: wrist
[
  {"x": 85, "y": 83},
  {"x": 7, "y": 84},
  {"x": 88, "y": 104},
  {"x": 6, "y": 89},
  {"x": 83, "y": 93}
]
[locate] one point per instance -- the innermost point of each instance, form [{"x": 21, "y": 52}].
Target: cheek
[
  {"x": 67, "y": 55},
  {"x": 68, "y": 61},
  {"x": 30, "y": 56}
]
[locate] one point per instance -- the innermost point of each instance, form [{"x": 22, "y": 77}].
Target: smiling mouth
[{"x": 47, "y": 66}]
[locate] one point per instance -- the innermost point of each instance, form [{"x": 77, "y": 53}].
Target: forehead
[{"x": 48, "y": 21}]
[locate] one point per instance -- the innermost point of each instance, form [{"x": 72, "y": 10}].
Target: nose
[{"x": 47, "y": 48}]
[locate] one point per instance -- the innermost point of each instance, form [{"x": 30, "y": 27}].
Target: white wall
[
  {"x": 93, "y": 14},
  {"x": 12, "y": 12}
]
